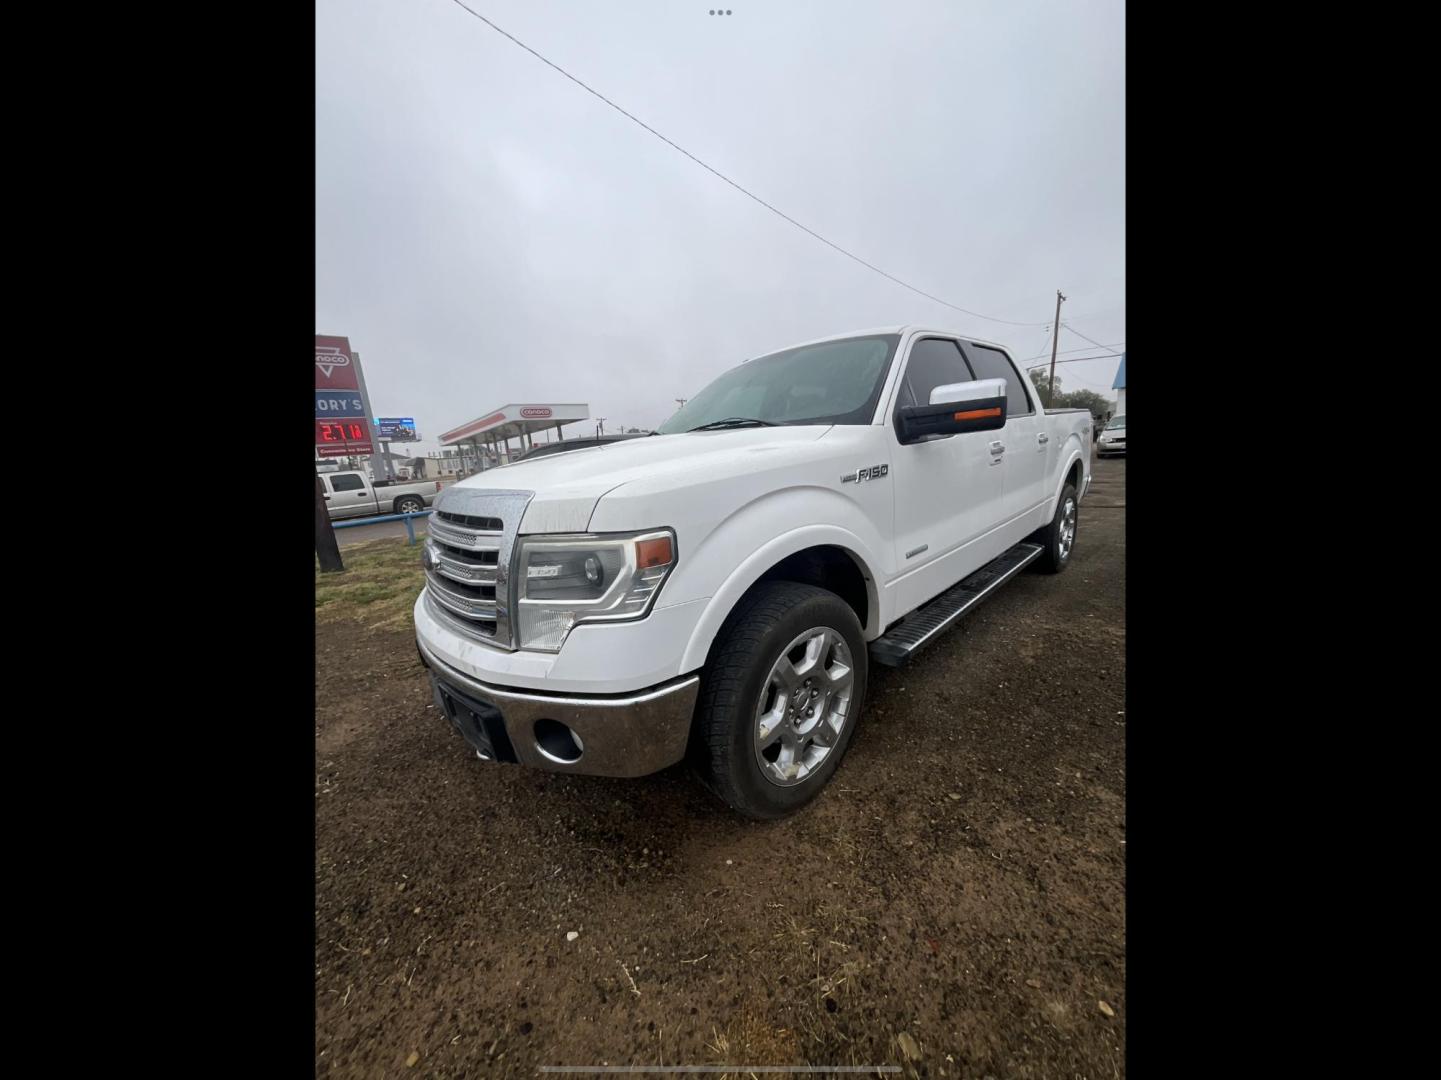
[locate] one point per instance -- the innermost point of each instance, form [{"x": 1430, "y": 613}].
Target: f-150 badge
[{"x": 873, "y": 472}]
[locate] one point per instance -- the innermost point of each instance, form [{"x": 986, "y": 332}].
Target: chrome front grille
[
  {"x": 462, "y": 602},
  {"x": 452, "y": 563},
  {"x": 444, "y": 528},
  {"x": 471, "y": 537}
]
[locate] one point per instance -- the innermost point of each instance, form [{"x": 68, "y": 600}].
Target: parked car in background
[
  {"x": 1113, "y": 437},
  {"x": 353, "y": 494},
  {"x": 566, "y": 445}
]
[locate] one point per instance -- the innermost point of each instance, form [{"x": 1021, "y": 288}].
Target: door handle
[
  {"x": 1043, "y": 438},
  {"x": 327, "y": 496},
  {"x": 998, "y": 448}
]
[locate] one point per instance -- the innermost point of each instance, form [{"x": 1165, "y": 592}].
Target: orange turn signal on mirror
[
  {"x": 654, "y": 552},
  {"x": 978, "y": 414}
]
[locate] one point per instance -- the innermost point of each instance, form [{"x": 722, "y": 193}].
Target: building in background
[
  {"x": 400, "y": 467},
  {"x": 1119, "y": 385},
  {"x": 450, "y": 462},
  {"x": 443, "y": 462}
]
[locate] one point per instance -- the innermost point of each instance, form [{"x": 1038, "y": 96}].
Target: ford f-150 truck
[
  {"x": 353, "y": 494},
  {"x": 719, "y": 589}
]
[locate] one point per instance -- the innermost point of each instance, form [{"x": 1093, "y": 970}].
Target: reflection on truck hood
[{"x": 568, "y": 485}]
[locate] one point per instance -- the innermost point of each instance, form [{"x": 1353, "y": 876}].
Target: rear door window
[{"x": 994, "y": 364}]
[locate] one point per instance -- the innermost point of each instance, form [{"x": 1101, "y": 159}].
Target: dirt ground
[{"x": 953, "y": 903}]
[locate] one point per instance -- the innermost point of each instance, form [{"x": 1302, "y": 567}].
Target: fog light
[{"x": 557, "y": 742}]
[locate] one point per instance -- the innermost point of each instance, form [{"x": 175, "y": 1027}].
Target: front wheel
[
  {"x": 1059, "y": 537},
  {"x": 780, "y": 698}
]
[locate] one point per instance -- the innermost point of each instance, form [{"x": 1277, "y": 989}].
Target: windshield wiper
[{"x": 732, "y": 421}]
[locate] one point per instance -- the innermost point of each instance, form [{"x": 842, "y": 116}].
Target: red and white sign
[
  {"x": 515, "y": 417},
  {"x": 336, "y": 368},
  {"x": 473, "y": 427}
]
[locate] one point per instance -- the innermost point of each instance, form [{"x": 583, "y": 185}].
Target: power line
[
  {"x": 1098, "y": 311},
  {"x": 1049, "y": 329},
  {"x": 732, "y": 183},
  {"x": 1083, "y": 382},
  {"x": 1074, "y": 360},
  {"x": 1078, "y": 348},
  {"x": 1093, "y": 341}
]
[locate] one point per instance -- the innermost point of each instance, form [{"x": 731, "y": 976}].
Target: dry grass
[
  {"x": 378, "y": 586},
  {"x": 750, "y": 1039}
]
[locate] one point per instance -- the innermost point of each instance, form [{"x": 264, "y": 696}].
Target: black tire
[
  {"x": 409, "y": 504},
  {"x": 769, "y": 618},
  {"x": 1052, "y": 560}
]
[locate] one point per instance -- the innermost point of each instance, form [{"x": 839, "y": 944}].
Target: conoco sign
[
  {"x": 535, "y": 414},
  {"x": 342, "y": 419}
]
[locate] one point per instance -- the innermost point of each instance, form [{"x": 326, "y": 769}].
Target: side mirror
[{"x": 956, "y": 408}]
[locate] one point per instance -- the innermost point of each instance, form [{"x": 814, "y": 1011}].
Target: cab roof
[{"x": 901, "y": 330}]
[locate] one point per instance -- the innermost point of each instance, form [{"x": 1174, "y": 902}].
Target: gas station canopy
[
  {"x": 488, "y": 439},
  {"x": 514, "y": 421}
]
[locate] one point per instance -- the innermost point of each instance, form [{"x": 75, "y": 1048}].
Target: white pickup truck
[
  {"x": 353, "y": 494},
  {"x": 717, "y": 590}
]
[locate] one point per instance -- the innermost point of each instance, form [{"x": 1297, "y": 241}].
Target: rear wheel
[
  {"x": 781, "y": 698},
  {"x": 409, "y": 504},
  {"x": 1059, "y": 537}
]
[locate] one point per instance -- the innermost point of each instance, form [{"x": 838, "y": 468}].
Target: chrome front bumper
[{"x": 620, "y": 735}]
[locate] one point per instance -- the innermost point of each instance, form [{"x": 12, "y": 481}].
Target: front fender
[{"x": 752, "y": 530}]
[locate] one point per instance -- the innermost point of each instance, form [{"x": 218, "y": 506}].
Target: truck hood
[{"x": 568, "y": 485}]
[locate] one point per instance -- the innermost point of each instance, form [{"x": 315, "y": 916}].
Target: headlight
[{"x": 565, "y": 580}]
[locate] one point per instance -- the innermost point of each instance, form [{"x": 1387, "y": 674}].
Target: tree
[
  {"x": 327, "y": 550},
  {"x": 1040, "y": 376},
  {"x": 1090, "y": 400},
  {"x": 1097, "y": 405}
]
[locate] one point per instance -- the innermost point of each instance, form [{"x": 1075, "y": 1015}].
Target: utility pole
[
  {"x": 377, "y": 462},
  {"x": 1055, "y": 340},
  {"x": 325, "y": 544},
  {"x": 681, "y": 401}
]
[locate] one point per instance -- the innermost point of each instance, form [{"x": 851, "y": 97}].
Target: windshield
[
  {"x": 1116, "y": 422},
  {"x": 835, "y": 382},
  {"x": 546, "y": 449}
]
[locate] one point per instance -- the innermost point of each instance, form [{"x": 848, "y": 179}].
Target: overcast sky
[{"x": 488, "y": 232}]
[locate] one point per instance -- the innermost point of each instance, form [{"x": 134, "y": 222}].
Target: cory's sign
[{"x": 338, "y": 394}]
